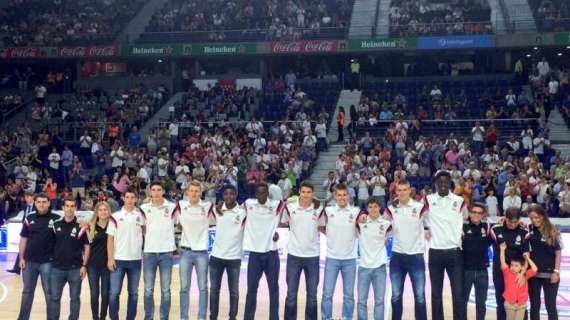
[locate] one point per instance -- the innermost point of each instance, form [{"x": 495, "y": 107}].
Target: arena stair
[
  {"x": 138, "y": 24},
  {"x": 162, "y": 113},
  {"x": 363, "y": 19},
  {"x": 327, "y": 159},
  {"x": 520, "y": 15},
  {"x": 498, "y": 17},
  {"x": 559, "y": 133},
  {"x": 383, "y": 19}
]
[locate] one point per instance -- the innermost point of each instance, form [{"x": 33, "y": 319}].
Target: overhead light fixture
[
  {"x": 560, "y": 54},
  {"x": 535, "y": 48},
  {"x": 528, "y": 55},
  {"x": 159, "y": 60}
]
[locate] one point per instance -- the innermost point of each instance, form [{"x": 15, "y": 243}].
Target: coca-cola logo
[
  {"x": 286, "y": 47},
  {"x": 320, "y": 46},
  {"x": 304, "y": 46},
  {"x": 102, "y": 51},
  {"x": 23, "y": 52}
]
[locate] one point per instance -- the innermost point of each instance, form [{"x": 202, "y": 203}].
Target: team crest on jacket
[
  {"x": 518, "y": 240},
  {"x": 455, "y": 204},
  {"x": 73, "y": 232}
]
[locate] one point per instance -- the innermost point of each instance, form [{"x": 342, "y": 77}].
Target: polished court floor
[{"x": 11, "y": 286}]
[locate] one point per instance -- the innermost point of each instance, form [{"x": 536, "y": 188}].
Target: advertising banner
[
  {"x": 94, "y": 51},
  {"x": 455, "y": 42},
  {"x": 219, "y": 49},
  {"x": 159, "y": 50},
  {"x": 562, "y": 38},
  {"x": 305, "y": 46},
  {"x": 382, "y": 44},
  {"x": 26, "y": 52}
]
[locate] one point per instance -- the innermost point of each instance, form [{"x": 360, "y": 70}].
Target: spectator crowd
[{"x": 415, "y": 17}]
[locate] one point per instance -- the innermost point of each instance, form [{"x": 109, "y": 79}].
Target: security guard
[
  {"x": 70, "y": 260},
  {"x": 476, "y": 242},
  {"x": 515, "y": 237},
  {"x": 36, "y": 253}
]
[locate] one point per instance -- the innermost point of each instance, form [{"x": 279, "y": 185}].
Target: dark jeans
[
  {"x": 479, "y": 279},
  {"x": 340, "y": 133},
  {"x": 451, "y": 262},
  {"x": 217, "y": 267},
  {"x": 30, "y": 276},
  {"x": 550, "y": 292},
  {"x": 99, "y": 285},
  {"x": 58, "y": 279},
  {"x": 260, "y": 263},
  {"x": 499, "y": 284},
  {"x": 132, "y": 269},
  {"x": 310, "y": 266},
  {"x": 400, "y": 266}
]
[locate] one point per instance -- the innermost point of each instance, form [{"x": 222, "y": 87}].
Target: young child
[
  {"x": 492, "y": 203},
  {"x": 516, "y": 283}
]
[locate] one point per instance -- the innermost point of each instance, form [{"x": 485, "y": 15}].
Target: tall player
[
  {"x": 304, "y": 218},
  {"x": 263, "y": 216},
  {"x": 341, "y": 223},
  {"x": 160, "y": 220}
]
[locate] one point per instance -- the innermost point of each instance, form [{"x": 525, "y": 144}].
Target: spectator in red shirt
[{"x": 516, "y": 284}]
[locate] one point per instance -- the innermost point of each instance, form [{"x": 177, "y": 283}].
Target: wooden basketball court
[{"x": 11, "y": 287}]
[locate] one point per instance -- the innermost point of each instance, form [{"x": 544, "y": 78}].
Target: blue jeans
[
  {"x": 260, "y": 263},
  {"x": 296, "y": 265},
  {"x": 58, "y": 278},
  {"x": 189, "y": 259},
  {"x": 133, "y": 271},
  {"x": 376, "y": 277},
  {"x": 400, "y": 266},
  {"x": 99, "y": 279},
  {"x": 30, "y": 277},
  {"x": 217, "y": 267},
  {"x": 479, "y": 279},
  {"x": 162, "y": 262},
  {"x": 347, "y": 268}
]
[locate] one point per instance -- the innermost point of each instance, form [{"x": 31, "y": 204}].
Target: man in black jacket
[
  {"x": 476, "y": 242},
  {"x": 36, "y": 253}
]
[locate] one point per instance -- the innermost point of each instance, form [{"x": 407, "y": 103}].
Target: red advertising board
[
  {"x": 95, "y": 51},
  {"x": 305, "y": 46},
  {"x": 20, "y": 52}
]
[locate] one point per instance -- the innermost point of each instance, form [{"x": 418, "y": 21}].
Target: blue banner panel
[{"x": 455, "y": 42}]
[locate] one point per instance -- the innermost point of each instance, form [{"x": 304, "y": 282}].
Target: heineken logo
[
  {"x": 152, "y": 50},
  {"x": 224, "y": 49}
]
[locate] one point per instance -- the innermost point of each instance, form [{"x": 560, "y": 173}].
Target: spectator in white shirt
[
  {"x": 511, "y": 99},
  {"x": 543, "y": 68},
  {"x": 341, "y": 229},
  {"x": 512, "y": 200},
  {"x": 321, "y": 132},
  {"x": 303, "y": 217}
]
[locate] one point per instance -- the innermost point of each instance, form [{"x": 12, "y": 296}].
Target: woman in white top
[{"x": 363, "y": 192}]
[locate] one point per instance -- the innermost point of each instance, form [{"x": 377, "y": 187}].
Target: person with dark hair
[
  {"x": 28, "y": 209},
  {"x": 71, "y": 253},
  {"x": 445, "y": 215},
  {"x": 514, "y": 236},
  {"x": 303, "y": 217},
  {"x": 160, "y": 219},
  {"x": 37, "y": 242},
  {"x": 260, "y": 236},
  {"x": 476, "y": 242},
  {"x": 227, "y": 251},
  {"x": 545, "y": 250},
  {"x": 340, "y": 121},
  {"x": 124, "y": 254},
  {"x": 516, "y": 290},
  {"x": 407, "y": 217},
  {"x": 341, "y": 227},
  {"x": 373, "y": 235}
]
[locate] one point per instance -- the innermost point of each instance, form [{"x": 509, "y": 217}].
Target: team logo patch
[
  {"x": 518, "y": 240},
  {"x": 59, "y": 229},
  {"x": 73, "y": 232},
  {"x": 33, "y": 222},
  {"x": 469, "y": 232}
]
